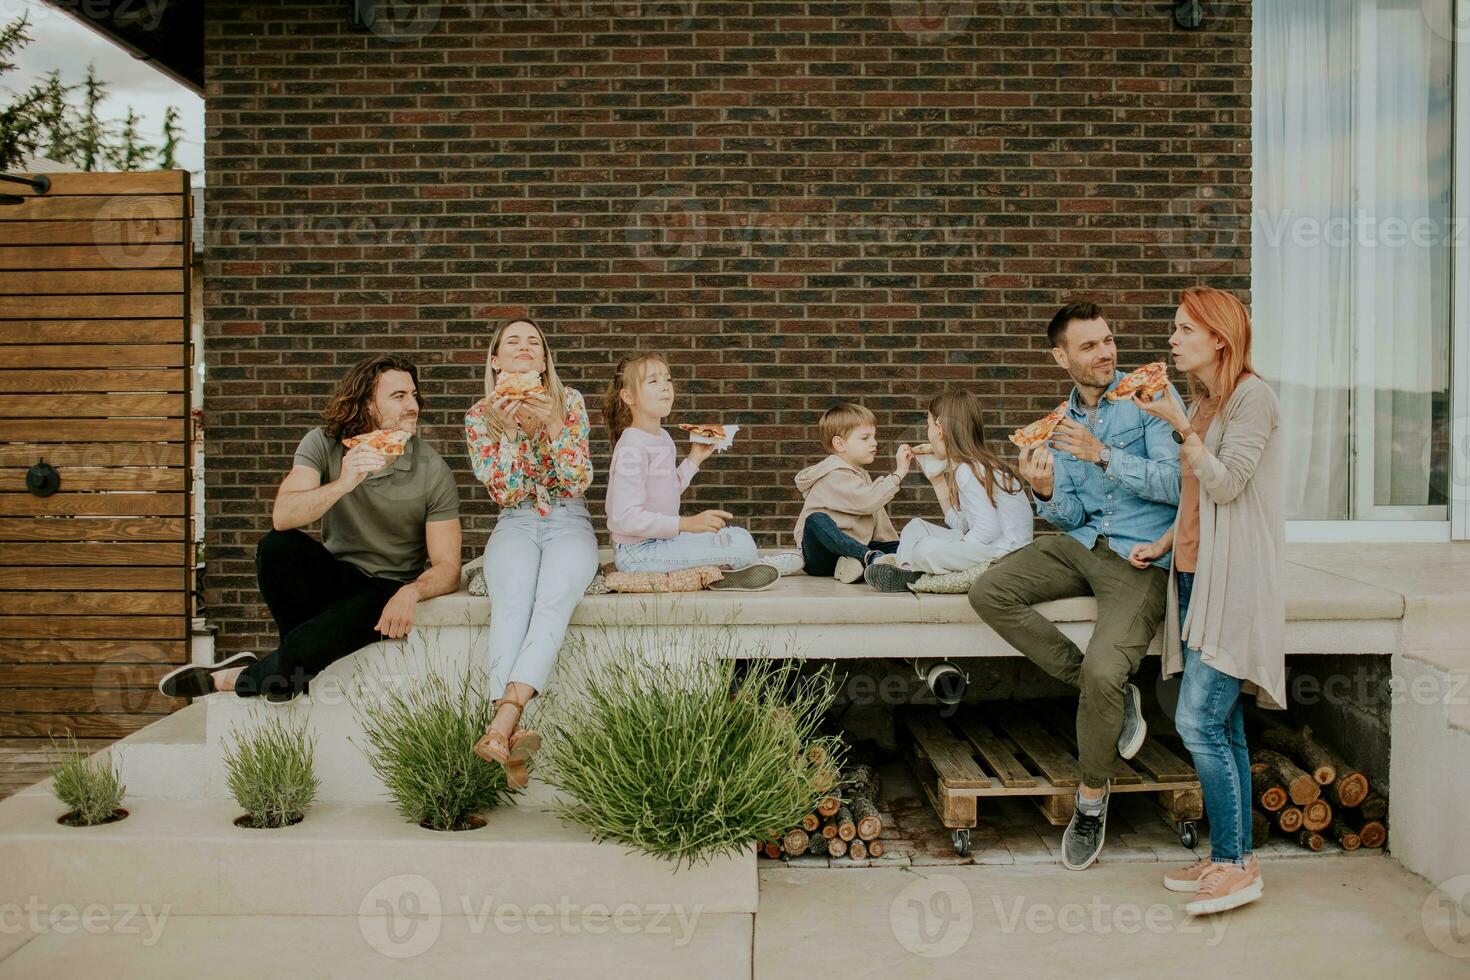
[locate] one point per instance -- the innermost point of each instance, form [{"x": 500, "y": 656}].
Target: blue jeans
[
  {"x": 823, "y": 542},
  {"x": 536, "y": 571},
  {"x": 731, "y": 548},
  {"x": 1211, "y": 721}
]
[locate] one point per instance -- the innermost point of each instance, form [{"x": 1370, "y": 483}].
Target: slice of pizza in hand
[
  {"x": 1149, "y": 379},
  {"x": 704, "y": 431},
  {"x": 518, "y": 384},
  {"x": 389, "y": 442},
  {"x": 719, "y": 436},
  {"x": 922, "y": 449},
  {"x": 1040, "y": 430}
]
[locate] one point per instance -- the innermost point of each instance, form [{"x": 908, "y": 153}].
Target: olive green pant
[{"x": 1130, "y": 607}]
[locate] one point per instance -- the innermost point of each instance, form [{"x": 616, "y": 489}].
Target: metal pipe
[{"x": 39, "y": 183}]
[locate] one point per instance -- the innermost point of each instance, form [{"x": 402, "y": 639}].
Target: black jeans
[
  {"x": 324, "y": 608},
  {"x": 822, "y": 543}
]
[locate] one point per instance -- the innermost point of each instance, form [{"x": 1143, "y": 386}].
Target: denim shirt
[{"x": 1135, "y": 500}]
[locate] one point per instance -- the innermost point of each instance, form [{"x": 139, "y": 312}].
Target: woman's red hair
[{"x": 1227, "y": 318}]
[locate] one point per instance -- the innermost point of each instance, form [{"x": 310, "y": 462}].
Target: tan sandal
[
  {"x": 514, "y": 753},
  {"x": 493, "y": 746}
]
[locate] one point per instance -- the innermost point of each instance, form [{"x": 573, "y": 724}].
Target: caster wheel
[
  {"x": 962, "y": 843},
  {"x": 1188, "y": 833}
]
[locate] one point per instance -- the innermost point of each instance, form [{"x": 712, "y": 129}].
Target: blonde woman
[
  {"x": 1226, "y": 612},
  {"x": 532, "y": 456}
]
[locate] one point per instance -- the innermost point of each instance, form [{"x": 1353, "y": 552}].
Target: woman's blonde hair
[
  {"x": 958, "y": 413},
  {"x": 626, "y": 377},
  {"x": 1227, "y": 318},
  {"x": 554, "y": 388}
]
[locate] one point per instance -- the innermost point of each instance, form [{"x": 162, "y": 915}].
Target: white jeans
[
  {"x": 733, "y": 547},
  {"x": 536, "y": 571},
  {"x": 936, "y": 549}
]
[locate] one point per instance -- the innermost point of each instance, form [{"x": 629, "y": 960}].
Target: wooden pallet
[{"x": 1030, "y": 749}]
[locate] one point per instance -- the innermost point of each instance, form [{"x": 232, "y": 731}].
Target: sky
[{"x": 60, "y": 42}]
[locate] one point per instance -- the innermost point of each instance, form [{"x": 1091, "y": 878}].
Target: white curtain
[
  {"x": 1301, "y": 290},
  {"x": 1350, "y": 288},
  {"x": 1404, "y": 133}
]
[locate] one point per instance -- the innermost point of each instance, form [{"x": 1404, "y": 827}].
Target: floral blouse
[{"x": 519, "y": 467}]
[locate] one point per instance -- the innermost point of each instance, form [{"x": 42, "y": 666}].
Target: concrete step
[
  {"x": 406, "y": 945},
  {"x": 342, "y": 859}
]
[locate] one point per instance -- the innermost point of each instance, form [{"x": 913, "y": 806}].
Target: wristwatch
[
  {"x": 1104, "y": 457},
  {"x": 1179, "y": 437}
]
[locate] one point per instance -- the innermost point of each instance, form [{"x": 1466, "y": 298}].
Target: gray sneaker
[
  {"x": 889, "y": 578},
  {"x": 1135, "y": 729},
  {"x": 1083, "y": 839},
  {"x": 751, "y": 578}
]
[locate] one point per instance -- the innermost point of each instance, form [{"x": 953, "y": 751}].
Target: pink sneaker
[
  {"x": 1186, "y": 879},
  {"x": 1225, "y": 886}
]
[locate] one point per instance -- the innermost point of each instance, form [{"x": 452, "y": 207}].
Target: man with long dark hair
[{"x": 390, "y": 538}]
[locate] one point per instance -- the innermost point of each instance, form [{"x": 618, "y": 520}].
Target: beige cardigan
[{"x": 1237, "y": 612}]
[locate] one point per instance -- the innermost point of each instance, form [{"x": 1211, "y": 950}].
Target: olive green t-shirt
[{"x": 379, "y": 526}]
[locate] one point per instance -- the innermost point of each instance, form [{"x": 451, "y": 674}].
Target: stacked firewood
[
  {"x": 1302, "y": 789},
  {"x": 844, "y": 824}
]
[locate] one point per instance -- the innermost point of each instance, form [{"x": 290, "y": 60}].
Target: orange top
[{"x": 1186, "y": 537}]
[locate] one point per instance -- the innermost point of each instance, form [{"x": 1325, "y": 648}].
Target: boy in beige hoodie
[{"x": 843, "y": 525}]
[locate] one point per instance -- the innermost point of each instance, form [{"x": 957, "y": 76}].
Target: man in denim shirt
[{"x": 1109, "y": 477}]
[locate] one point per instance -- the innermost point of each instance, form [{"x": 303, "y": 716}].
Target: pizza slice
[
  {"x": 923, "y": 449},
  {"x": 518, "y": 384},
  {"x": 1040, "y": 430},
  {"x": 389, "y": 442},
  {"x": 1149, "y": 379},
  {"x": 716, "y": 432}
]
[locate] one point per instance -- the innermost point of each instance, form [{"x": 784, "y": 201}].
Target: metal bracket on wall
[
  {"x": 40, "y": 184},
  {"x": 1189, "y": 14}
]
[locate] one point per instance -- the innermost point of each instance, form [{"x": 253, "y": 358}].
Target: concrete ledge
[
  {"x": 1326, "y": 613},
  {"x": 398, "y": 943},
  {"x": 187, "y": 854}
]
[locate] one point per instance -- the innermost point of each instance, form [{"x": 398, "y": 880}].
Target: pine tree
[
  {"x": 45, "y": 120},
  {"x": 171, "y": 137},
  {"x": 18, "y": 125},
  {"x": 91, "y": 132}
]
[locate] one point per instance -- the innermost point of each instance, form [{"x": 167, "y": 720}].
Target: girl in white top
[{"x": 986, "y": 511}]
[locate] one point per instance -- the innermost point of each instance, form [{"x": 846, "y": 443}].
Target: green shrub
[
  {"x": 271, "y": 771},
  {"x": 663, "y": 741},
  {"x": 91, "y": 789},
  {"x": 419, "y": 742}
]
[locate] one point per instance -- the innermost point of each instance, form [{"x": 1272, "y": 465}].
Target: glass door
[{"x": 1353, "y": 238}]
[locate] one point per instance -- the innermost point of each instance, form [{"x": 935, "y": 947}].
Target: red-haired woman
[{"x": 1227, "y": 615}]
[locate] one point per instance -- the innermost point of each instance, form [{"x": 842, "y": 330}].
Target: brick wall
[{"x": 798, "y": 203}]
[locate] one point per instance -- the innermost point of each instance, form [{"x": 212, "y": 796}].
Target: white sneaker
[
  {"x": 848, "y": 570},
  {"x": 786, "y": 562},
  {"x": 885, "y": 560}
]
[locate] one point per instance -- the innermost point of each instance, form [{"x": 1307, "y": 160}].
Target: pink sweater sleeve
[
  {"x": 686, "y": 472},
  {"x": 627, "y": 499}
]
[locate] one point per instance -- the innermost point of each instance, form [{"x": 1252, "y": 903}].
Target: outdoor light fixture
[
  {"x": 40, "y": 184},
  {"x": 1189, "y": 14},
  {"x": 943, "y": 679}
]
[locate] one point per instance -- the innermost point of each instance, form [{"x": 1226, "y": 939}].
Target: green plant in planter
[
  {"x": 271, "y": 771},
  {"x": 668, "y": 744},
  {"x": 419, "y": 741},
  {"x": 90, "y": 788}
]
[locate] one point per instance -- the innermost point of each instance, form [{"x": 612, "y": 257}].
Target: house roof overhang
[{"x": 168, "y": 34}]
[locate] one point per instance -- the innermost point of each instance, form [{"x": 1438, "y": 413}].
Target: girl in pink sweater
[{"x": 644, "y": 486}]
